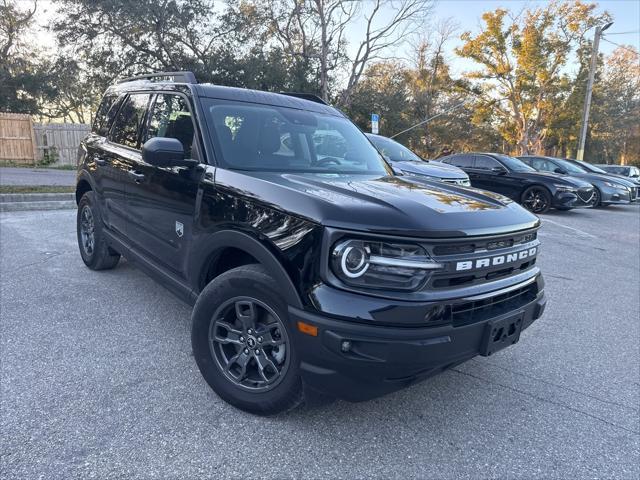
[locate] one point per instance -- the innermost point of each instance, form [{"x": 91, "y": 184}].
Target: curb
[
  {"x": 27, "y": 206},
  {"x": 36, "y": 197}
]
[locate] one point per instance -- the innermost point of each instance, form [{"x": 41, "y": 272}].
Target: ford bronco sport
[{"x": 310, "y": 268}]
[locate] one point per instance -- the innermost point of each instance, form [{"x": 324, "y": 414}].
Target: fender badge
[{"x": 179, "y": 229}]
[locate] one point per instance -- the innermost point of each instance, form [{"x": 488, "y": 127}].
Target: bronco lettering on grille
[{"x": 497, "y": 260}]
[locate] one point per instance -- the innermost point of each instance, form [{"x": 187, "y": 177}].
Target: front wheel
[
  {"x": 536, "y": 199},
  {"x": 596, "y": 200},
  {"x": 243, "y": 345}
]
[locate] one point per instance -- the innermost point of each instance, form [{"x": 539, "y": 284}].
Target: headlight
[
  {"x": 382, "y": 265},
  {"x": 564, "y": 188}
]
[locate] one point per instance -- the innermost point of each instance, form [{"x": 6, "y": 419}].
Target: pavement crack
[
  {"x": 39, "y": 262},
  {"x": 562, "y": 387},
  {"x": 546, "y": 400}
]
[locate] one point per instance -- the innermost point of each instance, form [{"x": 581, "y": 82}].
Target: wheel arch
[
  {"x": 227, "y": 249},
  {"x": 84, "y": 185}
]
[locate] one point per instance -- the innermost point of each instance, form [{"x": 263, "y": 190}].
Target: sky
[{"x": 467, "y": 15}]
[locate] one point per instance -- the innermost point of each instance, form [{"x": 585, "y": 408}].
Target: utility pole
[{"x": 587, "y": 98}]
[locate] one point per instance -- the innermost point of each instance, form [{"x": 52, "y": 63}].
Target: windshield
[
  {"x": 394, "y": 150},
  {"x": 568, "y": 166},
  {"x": 514, "y": 164},
  {"x": 270, "y": 138},
  {"x": 591, "y": 168}
]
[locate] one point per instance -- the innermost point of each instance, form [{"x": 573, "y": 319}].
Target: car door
[
  {"x": 483, "y": 175},
  {"x": 106, "y": 174},
  {"x": 161, "y": 200},
  {"x": 118, "y": 154}
]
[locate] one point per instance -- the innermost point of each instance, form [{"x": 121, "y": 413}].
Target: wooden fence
[
  {"x": 25, "y": 142},
  {"x": 58, "y": 143},
  {"x": 17, "y": 140}
]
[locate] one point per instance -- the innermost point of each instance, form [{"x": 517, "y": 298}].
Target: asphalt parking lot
[{"x": 97, "y": 378}]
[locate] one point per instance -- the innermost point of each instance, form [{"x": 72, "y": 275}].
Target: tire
[
  {"x": 243, "y": 343},
  {"x": 536, "y": 199},
  {"x": 95, "y": 252},
  {"x": 597, "y": 198}
]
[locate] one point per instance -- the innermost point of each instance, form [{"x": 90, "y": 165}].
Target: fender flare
[
  {"x": 220, "y": 240},
  {"x": 84, "y": 176}
]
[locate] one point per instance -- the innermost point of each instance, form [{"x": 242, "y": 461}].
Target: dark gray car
[
  {"x": 404, "y": 160},
  {"x": 608, "y": 190}
]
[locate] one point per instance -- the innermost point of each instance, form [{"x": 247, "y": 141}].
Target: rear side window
[
  {"x": 486, "y": 163},
  {"x": 104, "y": 116},
  {"x": 171, "y": 118},
  {"x": 462, "y": 161},
  {"x": 127, "y": 125}
]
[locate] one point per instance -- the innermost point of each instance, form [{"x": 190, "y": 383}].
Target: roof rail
[
  {"x": 176, "y": 77},
  {"x": 306, "y": 96}
]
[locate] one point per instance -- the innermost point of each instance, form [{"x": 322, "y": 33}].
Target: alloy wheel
[
  {"x": 249, "y": 343},
  {"x": 536, "y": 200},
  {"x": 87, "y": 230}
]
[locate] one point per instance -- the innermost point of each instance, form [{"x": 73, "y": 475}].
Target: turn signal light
[{"x": 308, "y": 329}]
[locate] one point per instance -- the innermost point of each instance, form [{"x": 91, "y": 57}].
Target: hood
[
  {"x": 633, "y": 181},
  {"x": 599, "y": 177},
  {"x": 558, "y": 179},
  {"x": 395, "y": 205},
  {"x": 430, "y": 169}
]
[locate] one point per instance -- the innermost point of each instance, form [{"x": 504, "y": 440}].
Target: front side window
[
  {"x": 542, "y": 164},
  {"x": 270, "y": 138},
  {"x": 127, "y": 125},
  {"x": 170, "y": 117}
]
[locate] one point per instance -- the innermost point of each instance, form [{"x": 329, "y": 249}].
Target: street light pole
[{"x": 587, "y": 98}]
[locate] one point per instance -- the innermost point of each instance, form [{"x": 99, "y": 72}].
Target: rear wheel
[
  {"x": 95, "y": 252},
  {"x": 536, "y": 199},
  {"x": 242, "y": 342}
]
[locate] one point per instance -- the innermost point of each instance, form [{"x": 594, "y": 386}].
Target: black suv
[
  {"x": 509, "y": 176},
  {"x": 309, "y": 270}
]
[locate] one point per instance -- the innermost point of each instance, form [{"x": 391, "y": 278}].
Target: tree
[
  {"x": 313, "y": 31},
  {"x": 24, "y": 78},
  {"x": 521, "y": 62}
]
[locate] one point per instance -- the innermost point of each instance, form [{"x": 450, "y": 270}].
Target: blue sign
[{"x": 375, "y": 118}]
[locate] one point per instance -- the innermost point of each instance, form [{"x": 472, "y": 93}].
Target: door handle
[
  {"x": 136, "y": 176},
  {"x": 99, "y": 160}
]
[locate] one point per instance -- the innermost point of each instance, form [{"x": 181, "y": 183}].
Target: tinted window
[
  {"x": 129, "y": 120},
  {"x": 462, "y": 161},
  {"x": 569, "y": 167},
  {"x": 394, "y": 150},
  {"x": 104, "y": 116},
  {"x": 486, "y": 163},
  {"x": 266, "y": 137},
  {"x": 171, "y": 118},
  {"x": 542, "y": 164},
  {"x": 514, "y": 164}
]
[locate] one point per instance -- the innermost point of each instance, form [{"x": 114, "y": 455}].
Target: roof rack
[
  {"x": 176, "y": 77},
  {"x": 306, "y": 96}
]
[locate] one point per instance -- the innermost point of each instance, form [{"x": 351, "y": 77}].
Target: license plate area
[{"x": 500, "y": 334}]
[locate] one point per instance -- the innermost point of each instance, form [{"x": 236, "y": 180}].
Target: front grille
[
  {"x": 484, "y": 244},
  {"x": 478, "y": 310},
  {"x": 634, "y": 193},
  {"x": 586, "y": 195},
  {"x": 456, "y": 181}
]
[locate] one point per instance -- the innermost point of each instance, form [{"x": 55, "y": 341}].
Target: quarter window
[
  {"x": 104, "y": 116},
  {"x": 129, "y": 120},
  {"x": 171, "y": 118}
]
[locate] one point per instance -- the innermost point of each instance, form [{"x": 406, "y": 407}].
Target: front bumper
[
  {"x": 615, "y": 196},
  {"x": 383, "y": 358},
  {"x": 580, "y": 198}
]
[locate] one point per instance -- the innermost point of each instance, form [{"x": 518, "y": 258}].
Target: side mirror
[
  {"x": 166, "y": 152},
  {"x": 559, "y": 170},
  {"x": 498, "y": 170}
]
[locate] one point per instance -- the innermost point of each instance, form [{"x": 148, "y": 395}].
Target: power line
[
  {"x": 623, "y": 33},
  {"x": 621, "y": 46}
]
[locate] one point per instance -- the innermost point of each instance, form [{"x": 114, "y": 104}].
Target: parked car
[
  {"x": 607, "y": 190},
  {"x": 538, "y": 192},
  {"x": 632, "y": 183},
  {"x": 306, "y": 273},
  {"x": 404, "y": 160},
  {"x": 627, "y": 171}
]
